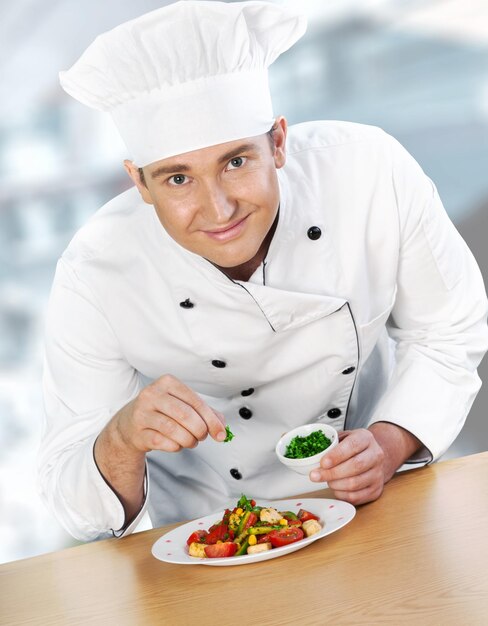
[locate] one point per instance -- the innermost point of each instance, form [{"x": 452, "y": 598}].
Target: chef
[{"x": 255, "y": 276}]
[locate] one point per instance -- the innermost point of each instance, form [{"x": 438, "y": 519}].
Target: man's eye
[
  {"x": 236, "y": 162},
  {"x": 177, "y": 179}
]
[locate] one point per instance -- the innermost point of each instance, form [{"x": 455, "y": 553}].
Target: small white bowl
[{"x": 306, "y": 465}]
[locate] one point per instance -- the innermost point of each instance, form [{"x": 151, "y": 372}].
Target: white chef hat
[{"x": 186, "y": 76}]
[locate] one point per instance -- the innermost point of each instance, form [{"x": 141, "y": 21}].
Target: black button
[
  {"x": 217, "y": 363},
  {"x": 245, "y": 413},
  {"x": 235, "y": 473},
  {"x": 247, "y": 392},
  {"x": 187, "y": 304},
  {"x": 333, "y": 413},
  {"x": 314, "y": 233},
  {"x": 349, "y": 370}
]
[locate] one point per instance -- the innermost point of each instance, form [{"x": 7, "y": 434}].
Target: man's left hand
[{"x": 364, "y": 460}]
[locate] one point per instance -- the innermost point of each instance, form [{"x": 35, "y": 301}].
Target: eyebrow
[
  {"x": 245, "y": 147},
  {"x": 183, "y": 167}
]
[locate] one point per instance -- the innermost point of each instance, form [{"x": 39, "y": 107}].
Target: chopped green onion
[{"x": 303, "y": 447}]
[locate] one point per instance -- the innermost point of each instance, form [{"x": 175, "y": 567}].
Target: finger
[
  {"x": 356, "y": 483},
  {"x": 362, "y": 496},
  {"x": 170, "y": 428},
  {"x": 215, "y": 425},
  {"x": 154, "y": 440},
  {"x": 213, "y": 420},
  {"x": 220, "y": 416},
  {"x": 353, "y": 466},
  {"x": 350, "y": 446},
  {"x": 183, "y": 414}
]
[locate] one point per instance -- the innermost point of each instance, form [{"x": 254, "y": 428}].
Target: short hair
[{"x": 270, "y": 135}]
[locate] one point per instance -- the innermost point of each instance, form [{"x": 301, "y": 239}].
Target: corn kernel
[
  {"x": 253, "y": 540},
  {"x": 239, "y": 511},
  {"x": 283, "y": 522},
  {"x": 219, "y": 541}
]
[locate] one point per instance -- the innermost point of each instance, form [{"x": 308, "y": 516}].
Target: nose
[{"x": 217, "y": 205}]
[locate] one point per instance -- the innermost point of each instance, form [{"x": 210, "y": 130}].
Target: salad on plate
[{"x": 251, "y": 529}]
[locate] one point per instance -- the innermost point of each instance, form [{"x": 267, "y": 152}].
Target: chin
[
  {"x": 235, "y": 260},
  {"x": 224, "y": 264}
]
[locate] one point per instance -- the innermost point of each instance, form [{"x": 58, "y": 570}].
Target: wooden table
[{"x": 419, "y": 555}]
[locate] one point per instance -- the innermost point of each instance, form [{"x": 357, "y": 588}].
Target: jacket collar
[{"x": 301, "y": 280}]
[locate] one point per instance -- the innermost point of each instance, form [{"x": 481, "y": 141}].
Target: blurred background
[{"x": 417, "y": 68}]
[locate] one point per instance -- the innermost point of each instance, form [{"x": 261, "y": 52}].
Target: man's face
[{"x": 219, "y": 202}]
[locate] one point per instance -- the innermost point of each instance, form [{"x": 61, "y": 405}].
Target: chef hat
[{"x": 186, "y": 76}]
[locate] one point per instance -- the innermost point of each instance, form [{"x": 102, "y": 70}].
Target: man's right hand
[{"x": 167, "y": 415}]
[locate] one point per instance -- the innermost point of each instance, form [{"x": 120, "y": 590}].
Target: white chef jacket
[{"x": 368, "y": 307}]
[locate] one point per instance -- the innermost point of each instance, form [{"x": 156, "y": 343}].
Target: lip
[{"x": 229, "y": 232}]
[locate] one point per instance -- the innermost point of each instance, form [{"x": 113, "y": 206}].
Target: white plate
[{"x": 333, "y": 514}]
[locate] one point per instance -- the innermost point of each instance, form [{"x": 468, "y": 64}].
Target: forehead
[{"x": 217, "y": 154}]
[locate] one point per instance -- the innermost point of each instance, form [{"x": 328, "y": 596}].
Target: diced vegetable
[
  {"x": 197, "y": 549},
  {"x": 289, "y": 515},
  {"x": 217, "y": 532},
  {"x": 303, "y": 515},
  {"x": 243, "y": 521},
  {"x": 259, "y": 547},
  {"x": 284, "y": 536},
  {"x": 294, "y": 522},
  {"x": 270, "y": 515},
  {"x": 258, "y": 530},
  {"x": 198, "y": 536},
  {"x": 243, "y": 548},
  {"x": 311, "y": 526},
  {"x": 221, "y": 550},
  {"x": 248, "y": 519}
]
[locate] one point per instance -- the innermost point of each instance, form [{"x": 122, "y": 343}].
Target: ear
[
  {"x": 134, "y": 174},
  {"x": 279, "y": 137}
]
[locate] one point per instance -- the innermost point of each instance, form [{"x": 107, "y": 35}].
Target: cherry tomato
[
  {"x": 197, "y": 537},
  {"x": 263, "y": 538},
  {"x": 220, "y": 550},
  {"x": 285, "y": 536},
  {"x": 304, "y": 515},
  {"x": 217, "y": 532}
]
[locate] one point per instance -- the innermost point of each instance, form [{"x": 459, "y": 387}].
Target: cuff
[
  {"x": 121, "y": 529},
  {"x": 129, "y": 528},
  {"x": 421, "y": 457}
]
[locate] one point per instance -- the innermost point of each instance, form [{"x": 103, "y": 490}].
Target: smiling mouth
[{"x": 228, "y": 232}]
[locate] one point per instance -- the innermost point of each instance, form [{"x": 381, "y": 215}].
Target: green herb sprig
[
  {"x": 230, "y": 435},
  {"x": 244, "y": 503},
  {"x": 303, "y": 447}
]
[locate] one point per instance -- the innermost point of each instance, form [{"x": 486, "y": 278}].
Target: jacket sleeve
[
  {"x": 438, "y": 321},
  {"x": 86, "y": 381}
]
